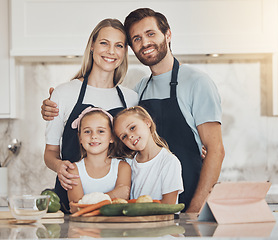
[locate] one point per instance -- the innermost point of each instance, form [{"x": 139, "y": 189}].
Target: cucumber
[
  {"x": 144, "y": 209},
  {"x": 115, "y": 209}
]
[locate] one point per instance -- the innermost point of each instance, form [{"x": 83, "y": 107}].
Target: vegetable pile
[{"x": 143, "y": 206}]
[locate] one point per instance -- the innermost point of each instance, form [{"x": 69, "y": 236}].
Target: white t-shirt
[
  {"x": 66, "y": 95},
  {"x": 197, "y": 96},
  {"x": 160, "y": 175},
  {"x": 104, "y": 184}
]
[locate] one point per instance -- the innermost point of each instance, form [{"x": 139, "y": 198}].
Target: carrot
[
  {"x": 93, "y": 213},
  {"x": 91, "y": 208},
  {"x": 134, "y": 201},
  {"x": 80, "y": 205}
]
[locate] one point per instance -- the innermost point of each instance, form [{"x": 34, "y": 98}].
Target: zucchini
[
  {"x": 115, "y": 209},
  {"x": 144, "y": 209}
]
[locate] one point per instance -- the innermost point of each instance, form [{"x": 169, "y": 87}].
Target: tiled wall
[{"x": 250, "y": 139}]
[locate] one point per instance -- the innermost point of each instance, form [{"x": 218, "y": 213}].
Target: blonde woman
[{"x": 103, "y": 68}]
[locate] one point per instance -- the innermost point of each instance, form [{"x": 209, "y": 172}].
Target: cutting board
[
  {"x": 8, "y": 215},
  {"x": 123, "y": 219}
]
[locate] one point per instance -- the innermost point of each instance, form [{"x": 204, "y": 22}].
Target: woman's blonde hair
[
  {"x": 111, "y": 148},
  {"x": 121, "y": 149},
  {"x": 87, "y": 60}
]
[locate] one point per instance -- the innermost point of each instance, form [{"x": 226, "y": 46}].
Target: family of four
[{"x": 158, "y": 130}]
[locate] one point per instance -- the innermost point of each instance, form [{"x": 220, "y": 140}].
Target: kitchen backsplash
[{"x": 250, "y": 139}]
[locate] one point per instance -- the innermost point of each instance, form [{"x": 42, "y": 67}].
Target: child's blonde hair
[
  {"x": 111, "y": 148},
  {"x": 121, "y": 149}
]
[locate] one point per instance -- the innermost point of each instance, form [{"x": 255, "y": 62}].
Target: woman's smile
[{"x": 108, "y": 59}]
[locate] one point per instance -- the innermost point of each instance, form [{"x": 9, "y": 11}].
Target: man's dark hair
[{"x": 141, "y": 13}]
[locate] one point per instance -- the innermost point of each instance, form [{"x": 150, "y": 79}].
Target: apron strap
[
  {"x": 83, "y": 89},
  {"x": 145, "y": 88},
  {"x": 121, "y": 96},
  {"x": 174, "y": 79},
  {"x": 173, "y": 83}
]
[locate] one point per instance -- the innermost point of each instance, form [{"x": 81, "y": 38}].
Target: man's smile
[{"x": 148, "y": 51}]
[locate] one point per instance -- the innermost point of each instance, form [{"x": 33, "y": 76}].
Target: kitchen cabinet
[
  {"x": 8, "y": 88},
  {"x": 59, "y": 28},
  {"x": 52, "y": 28},
  {"x": 275, "y": 84}
]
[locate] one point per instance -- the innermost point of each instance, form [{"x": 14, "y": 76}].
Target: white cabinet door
[
  {"x": 57, "y": 28},
  {"x": 7, "y": 80},
  {"x": 4, "y": 61},
  {"x": 226, "y": 26}
]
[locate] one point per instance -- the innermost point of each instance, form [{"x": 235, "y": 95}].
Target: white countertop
[{"x": 69, "y": 229}]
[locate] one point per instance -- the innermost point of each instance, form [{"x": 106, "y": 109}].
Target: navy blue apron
[
  {"x": 70, "y": 142},
  {"x": 172, "y": 126}
]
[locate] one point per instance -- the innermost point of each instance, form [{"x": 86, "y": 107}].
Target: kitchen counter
[{"x": 185, "y": 227}]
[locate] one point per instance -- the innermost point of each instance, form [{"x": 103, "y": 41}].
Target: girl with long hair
[{"x": 155, "y": 170}]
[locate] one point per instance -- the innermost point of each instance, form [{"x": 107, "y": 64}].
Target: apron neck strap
[
  {"x": 173, "y": 83},
  {"x": 174, "y": 78},
  {"x": 121, "y": 96},
  {"x": 150, "y": 78},
  {"x": 83, "y": 90}
]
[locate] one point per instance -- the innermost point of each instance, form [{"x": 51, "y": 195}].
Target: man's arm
[
  {"x": 49, "y": 108},
  {"x": 211, "y": 137}
]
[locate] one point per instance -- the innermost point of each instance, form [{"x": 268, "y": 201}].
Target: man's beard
[{"x": 153, "y": 60}]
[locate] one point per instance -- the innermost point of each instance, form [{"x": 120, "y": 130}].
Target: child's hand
[
  {"x": 64, "y": 176},
  {"x": 120, "y": 191},
  {"x": 73, "y": 208}
]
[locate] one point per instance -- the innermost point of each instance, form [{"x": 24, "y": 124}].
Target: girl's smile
[
  {"x": 93, "y": 144},
  {"x": 136, "y": 141}
]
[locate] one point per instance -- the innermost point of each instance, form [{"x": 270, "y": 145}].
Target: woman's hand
[
  {"x": 64, "y": 176},
  {"x": 53, "y": 161},
  {"x": 49, "y": 108}
]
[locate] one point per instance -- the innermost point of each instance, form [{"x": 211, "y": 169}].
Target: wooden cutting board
[
  {"x": 124, "y": 219},
  {"x": 8, "y": 215}
]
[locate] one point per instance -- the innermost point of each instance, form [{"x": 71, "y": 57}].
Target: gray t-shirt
[{"x": 197, "y": 95}]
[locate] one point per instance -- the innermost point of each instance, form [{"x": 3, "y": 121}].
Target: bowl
[{"x": 29, "y": 207}]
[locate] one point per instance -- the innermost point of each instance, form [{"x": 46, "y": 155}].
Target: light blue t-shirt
[{"x": 197, "y": 95}]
